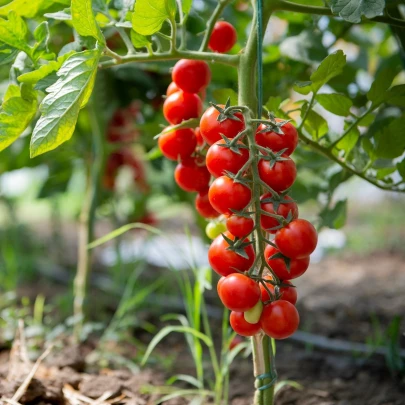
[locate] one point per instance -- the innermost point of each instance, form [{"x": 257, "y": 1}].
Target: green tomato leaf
[
  {"x": 16, "y": 113},
  {"x": 150, "y": 15},
  {"x": 330, "y": 67},
  {"x": 314, "y": 124},
  {"x": 60, "y": 108},
  {"x": 367, "y": 120},
  {"x": 84, "y": 21},
  {"x": 349, "y": 141},
  {"x": 138, "y": 40},
  {"x": 353, "y": 10},
  {"x": 29, "y": 8},
  {"x": 385, "y": 172},
  {"x": 401, "y": 168},
  {"x": 335, "y": 217},
  {"x": 378, "y": 91},
  {"x": 396, "y": 95},
  {"x": 369, "y": 148},
  {"x": 273, "y": 103},
  {"x": 186, "y": 5},
  {"x": 13, "y": 32},
  {"x": 45, "y": 70},
  {"x": 390, "y": 141},
  {"x": 338, "y": 104},
  {"x": 222, "y": 95},
  {"x": 7, "y": 54}
]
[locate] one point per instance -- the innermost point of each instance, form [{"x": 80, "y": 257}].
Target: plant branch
[
  {"x": 283, "y": 5},
  {"x": 328, "y": 153},
  {"x": 230, "y": 60},
  {"x": 211, "y": 22}
]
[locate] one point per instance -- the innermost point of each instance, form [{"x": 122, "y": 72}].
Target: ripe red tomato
[
  {"x": 211, "y": 129},
  {"x": 266, "y": 222},
  {"x": 200, "y": 139},
  {"x": 181, "y": 106},
  {"x": 280, "y": 319},
  {"x": 240, "y": 226},
  {"x": 287, "y": 293},
  {"x": 203, "y": 205},
  {"x": 226, "y": 262},
  {"x": 191, "y": 175},
  {"x": 237, "y": 340},
  {"x": 226, "y": 195},
  {"x": 297, "y": 266},
  {"x": 239, "y": 292},
  {"x": 178, "y": 143},
  {"x": 172, "y": 88},
  {"x": 277, "y": 142},
  {"x": 241, "y": 326},
  {"x": 220, "y": 159},
  {"x": 223, "y": 37},
  {"x": 281, "y": 176},
  {"x": 297, "y": 240},
  {"x": 191, "y": 76}
]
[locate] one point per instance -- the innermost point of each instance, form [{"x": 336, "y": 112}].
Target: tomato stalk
[
  {"x": 86, "y": 220},
  {"x": 264, "y": 369}
]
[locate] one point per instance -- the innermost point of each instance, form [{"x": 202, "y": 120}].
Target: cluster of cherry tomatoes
[
  {"x": 258, "y": 292},
  {"x": 122, "y": 131}
]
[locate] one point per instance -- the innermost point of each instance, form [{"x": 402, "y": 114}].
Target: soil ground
[{"x": 337, "y": 299}]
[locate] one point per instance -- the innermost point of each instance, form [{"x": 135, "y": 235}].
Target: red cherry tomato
[
  {"x": 297, "y": 266},
  {"x": 239, "y": 292},
  {"x": 279, "y": 319},
  {"x": 203, "y": 205},
  {"x": 241, "y": 326},
  {"x": 190, "y": 175},
  {"x": 211, "y": 129},
  {"x": 220, "y": 159},
  {"x": 297, "y": 240},
  {"x": 178, "y": 143},
  {"x": 191, "y": 76},
  {"x": 226, "y": 262},
  {"x": 223, "y": 37},
  {"x": 277, "y": 142},
  {"x": 267, "y": 222},
  {"x": 181, "y": 106},
  {"x": 200, "y": 139},
  {"x": 226, "y": 195},
  {"x": 237, "y": 340},
  {"x": 240, "y": 226},
  {"x": 281, "y": 176},
  {"x": 172, "y": 88},
  {"x": 286, "y": 293}
]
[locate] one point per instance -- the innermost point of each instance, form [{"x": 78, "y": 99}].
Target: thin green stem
[
  {"x": 173, "y": 45},
  {"x": 283, "y": 5},
  {"x": 211, "y": 22},
  {"x": 230, "y": 60},
  {"x": 309, "y": 108},
  {"x": 182, "y": 24}
]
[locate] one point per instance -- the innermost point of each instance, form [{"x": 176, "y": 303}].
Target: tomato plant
[{"x": 247, "y": 139}]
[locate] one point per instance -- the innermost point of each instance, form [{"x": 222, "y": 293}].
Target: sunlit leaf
[
  {"x": 150, "y": 15},
  {"x": 30, "y": 8},
  {"x": 14, "y": 31},
  {"x": 16, "y": 113},
  {"x": 338, "y": 104},
  {"x": 138, "y": 40},
  {"x": 60, "y": 108},
  {"x": 84, "y": 21},
  {"x": 354, "y": 10}
]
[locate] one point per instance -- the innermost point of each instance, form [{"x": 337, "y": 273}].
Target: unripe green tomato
[
  {"x": 214, "y": 229},
  {"x": 253, "y": 315}
]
